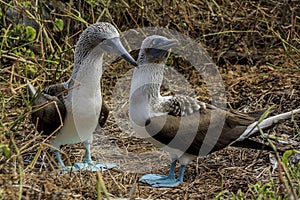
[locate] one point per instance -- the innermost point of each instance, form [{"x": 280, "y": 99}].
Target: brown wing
[
  {"x": 203, "y": 129},
  {"x": 103, "y": 114},
  {"x": 50, "y": 117},
  {"x": 48, "y": 109}
]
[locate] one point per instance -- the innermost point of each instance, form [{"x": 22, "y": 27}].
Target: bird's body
[
  {"x": 51, "y": 117},
  {"x": 83, "y": 103},
  {"x": 79, "y": 99},
  {"x": 185, "y": 127}
]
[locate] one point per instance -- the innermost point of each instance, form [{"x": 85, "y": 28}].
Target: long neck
[
  {"x": 87, "y": 68},
  {"x": 147, "y": 80},
  {"x": 144, "y": 91}
]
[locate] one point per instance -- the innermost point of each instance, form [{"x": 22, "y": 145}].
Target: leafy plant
[
  {"x": 5, "y": 150},
  {"x": 59, "y": 25}
]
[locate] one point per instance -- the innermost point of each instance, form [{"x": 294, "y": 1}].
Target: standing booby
[
  {"x": 182, "y": 125},
  {"x": 73, "y": 108}
]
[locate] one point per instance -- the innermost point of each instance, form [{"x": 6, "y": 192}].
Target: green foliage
[
  {"x": 93, "y": 3},
  {"x": 262, "y": 191},
  {"x": 19, "y": 36},
  {"x": 287, "y": 154},
  {"x": 18, "y": 32},
  {"x": 26, "y": 4},
  {"x": 5, "y": 150},
  {"x": 30, "y": 33},
  {"x": 230, "y": 195},
  {"x": 258, "y": 191},
  {"x": 59, "y": 25},
  {"x": 30, "y": 69}
]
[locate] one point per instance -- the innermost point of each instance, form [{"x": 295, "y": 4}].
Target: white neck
[
  {"x": 147, "y": 78},
  {"x": 88, "y": 74},
  {"x": 84, "y": 85},
  {"x": 83, "y": 100},
  {"x": 144, "y": 91}
]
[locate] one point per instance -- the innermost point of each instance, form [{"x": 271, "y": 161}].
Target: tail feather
[
  {"x": 251, "y": 144},
  {"x": 31, "y": 89},
  {"x": 254, "y": 127}
]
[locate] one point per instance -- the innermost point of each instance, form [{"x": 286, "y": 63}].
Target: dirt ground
[{"x": 256, "y": 48}]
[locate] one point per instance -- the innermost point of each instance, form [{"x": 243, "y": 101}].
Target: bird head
[
  {"x": 105, "y": 36},
  {"x": 155, "y": 49}
]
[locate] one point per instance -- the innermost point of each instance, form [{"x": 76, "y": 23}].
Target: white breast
[{"x": 83, "y": 104}]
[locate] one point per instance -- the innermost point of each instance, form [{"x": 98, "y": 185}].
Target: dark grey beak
[
  {"x": 161, "y": 49},
  {"x": 114, "y": 45},
  {"x": 166, "y": 44}
]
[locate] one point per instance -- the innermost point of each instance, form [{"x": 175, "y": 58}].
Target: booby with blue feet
[
  {"x": 71, "y": 110},
  {"x": 180, "y": 124}
]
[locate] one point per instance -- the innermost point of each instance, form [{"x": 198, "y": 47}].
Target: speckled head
[
  {"x": 103, "y": 35},
  {"x": 155, "y": 49}
]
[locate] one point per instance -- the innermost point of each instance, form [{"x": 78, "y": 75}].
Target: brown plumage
[
  {"x": 235, "y": 124},
  {"x": 49, "y": 110},
  {"x": 103, "y": 114},
  {"x": 182, "y": 125}
]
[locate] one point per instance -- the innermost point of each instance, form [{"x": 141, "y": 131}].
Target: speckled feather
[{"x": 181, "y": 106}]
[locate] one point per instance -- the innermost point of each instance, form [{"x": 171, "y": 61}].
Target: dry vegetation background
[{"x": 255, "y": 44}]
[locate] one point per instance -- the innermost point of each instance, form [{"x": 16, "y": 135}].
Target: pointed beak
[
  {"x": 161, "y": 49},
  {"x": 114, "y": 45},
  {"x": 166, "y": 44}
]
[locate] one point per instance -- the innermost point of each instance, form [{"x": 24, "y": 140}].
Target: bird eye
[
  {"x": 102, "y": 40},
  {"x": 153, "y": 42}
]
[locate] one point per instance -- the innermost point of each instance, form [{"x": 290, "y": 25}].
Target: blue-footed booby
[
  {"x": 181, "y": 123},
  {"x": 72, "y": 108}
]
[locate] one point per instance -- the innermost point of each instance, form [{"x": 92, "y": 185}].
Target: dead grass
[{"x": 255, "y": 44}]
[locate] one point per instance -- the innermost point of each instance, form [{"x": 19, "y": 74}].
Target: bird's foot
[
  {"x": 66, "y": 169},
  {"x": 92, "y": 166},
  {"x": 156, "y": 180}
]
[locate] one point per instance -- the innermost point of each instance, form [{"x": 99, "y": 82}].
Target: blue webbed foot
[
  {"x": 82, "y": 166},
  {"x": 92, "y": 166},
  {"x": 86, "y": 165},
  {"x": 89, "y": 165},
  {"x": 65, "y": 169},
  {"x": 156, "y": 180}
]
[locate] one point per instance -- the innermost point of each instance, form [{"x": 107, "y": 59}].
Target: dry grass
[{"x": 255, "y": 44}]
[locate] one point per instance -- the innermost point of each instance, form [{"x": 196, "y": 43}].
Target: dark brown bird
[{"x": 183, "y": 126}]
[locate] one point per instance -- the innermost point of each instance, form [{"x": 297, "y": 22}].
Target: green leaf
[
  {"x": 30, "y": 69},
  {"x": 287, "y": 154},
  {"x": 265, "y": 188},
  {"x": 239, "y": 194},
  {"x": 5, "y": 150},
  {"x": 26, "y": 3},
  {"x": 30, "y": 53},
  {"x": 30, "y": 33},
  {"x": 59, "y": 25}
]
